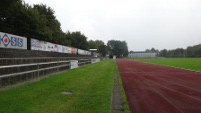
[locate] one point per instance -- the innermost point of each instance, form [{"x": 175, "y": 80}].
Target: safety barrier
[{"x": 23, "y": 69}]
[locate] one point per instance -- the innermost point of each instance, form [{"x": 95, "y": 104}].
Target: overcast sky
[{"x": 143, "y": 24}]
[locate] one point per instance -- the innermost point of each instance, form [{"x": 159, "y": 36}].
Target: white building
[{"x": 142, "y": 54}]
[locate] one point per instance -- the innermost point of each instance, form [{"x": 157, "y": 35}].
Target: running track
[{"x": 152, "y": 88}]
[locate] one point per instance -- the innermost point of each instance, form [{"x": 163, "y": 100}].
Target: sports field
[
  {"x": 90, "y": 85},
  {"x": 153, "y": 88},
  {"x": 187, "y": 63}
]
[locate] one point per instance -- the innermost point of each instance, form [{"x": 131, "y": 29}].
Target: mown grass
[
  {"x": 91, "y": 86},
  {"x": 125, "y": 107},
  {"x": 187, "y": 63}
]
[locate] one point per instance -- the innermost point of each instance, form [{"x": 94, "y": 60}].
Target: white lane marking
[
  {"x": 161, "y": 95},
  {"x": 175, "y": 83},
  {"x": 191, "y": 82},
  {"x": 174, "y": 90}
]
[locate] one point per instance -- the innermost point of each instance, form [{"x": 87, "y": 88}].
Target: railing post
[
  {"x": 57, "y": 66},
  {"x": 1, "y": 82},
  {"x": 38, "y": 69}
]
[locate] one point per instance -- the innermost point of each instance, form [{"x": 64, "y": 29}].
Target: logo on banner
[
  {"x": 5, "y": 39},
  {"x": 20, "y": 42},
  {"x": 16, "y": 42}
]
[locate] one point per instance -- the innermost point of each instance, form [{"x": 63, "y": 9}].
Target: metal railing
[{"x": 13, "y": 73}]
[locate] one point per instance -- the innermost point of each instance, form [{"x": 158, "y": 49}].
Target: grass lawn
[
  {"x": 187, "y": 63},
  {"x": 91, "y": 86},
  {"x": 125, "y": 107}
]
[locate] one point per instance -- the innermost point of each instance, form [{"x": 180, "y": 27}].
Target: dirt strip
[{"x": 116, "y": 104}]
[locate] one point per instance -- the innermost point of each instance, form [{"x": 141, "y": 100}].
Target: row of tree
[
  {"x": 39, "y": 22},
  {"x": 191, "y": 51}
]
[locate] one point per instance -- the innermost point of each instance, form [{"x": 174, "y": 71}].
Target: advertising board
[
  {"x": 12, "y": 41},
  {"x": 36, "y": 45},
  {"x": 73, "y": 64}
]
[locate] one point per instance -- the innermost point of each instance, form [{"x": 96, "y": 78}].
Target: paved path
[{"x": 157, "y": 89}]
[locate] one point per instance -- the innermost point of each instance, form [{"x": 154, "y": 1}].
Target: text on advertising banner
[{"x": 12, "y": 41}]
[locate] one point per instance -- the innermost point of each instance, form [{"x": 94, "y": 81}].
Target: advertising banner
[
  {"x": 12, "y": 41},
  {"x": 44, "y": 46},
  {"x": 95, "y": 60},
  {"x": 73, "y": 64},
  {"x": 87, "y": 53},
  {"x": 81, "y": 52},
  {"x": 39, "y": 45},
  {"x": 73, "y": 50},
  {"x": 60, "y": 49},
  {"x": 36, "y": 45},
  {"x": 69, "y": 50},
  {"x": 52, "y": 47},
  {"x": 64, "y": 49}
]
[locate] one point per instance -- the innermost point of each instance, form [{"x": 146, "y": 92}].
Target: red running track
[{"x": 152, "y": 88}]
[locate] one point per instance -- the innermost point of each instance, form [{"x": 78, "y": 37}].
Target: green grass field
[
  {"x": 125, "y": 107},
  {"x": 91, "y": 86},
  {"x": 187, "y": 63}
]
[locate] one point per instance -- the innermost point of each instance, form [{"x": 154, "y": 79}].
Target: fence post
[
  {"x": 57, "y": 66},
  {"x": 1, "y": 82},
  {"x": 38, "y": 69}
]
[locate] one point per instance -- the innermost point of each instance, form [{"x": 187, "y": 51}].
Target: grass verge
[
  {"x": 187, "y": 63},
  {"x": 125, "y": 107},
  {"x": 91, "y": 86}
]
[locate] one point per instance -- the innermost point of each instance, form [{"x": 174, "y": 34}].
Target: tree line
[
  {"x": 39, "y": 22},
  {"x": 190, "y": 51}
]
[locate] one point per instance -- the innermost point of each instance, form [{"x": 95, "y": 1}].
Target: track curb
[{"x": 116, "y": 102}]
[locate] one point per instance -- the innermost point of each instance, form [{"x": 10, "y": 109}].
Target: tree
[
  {"x": 99, "y": 43},
  {"x": 125, "y": 48},
  {"x": 118, "y": 48},
  {"x": 163, "y": 53},
  {"x": 189, "y": 52},
  {"x": 51, "y": 29},
  {"x": 103, "y": 50},
  {"x": 152, "y": 50},
  {"x": 197, "y": 50},
  {"x": 11, "y": 12},
  {"x": 92, "y": 44},
  {"x": 179, "y": 52},
  {"x": 78, "y": 40},
  {"x": 147, "y": 50}
]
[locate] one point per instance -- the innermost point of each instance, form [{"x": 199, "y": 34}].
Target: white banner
[
  {"x": 73, "y": 64},
  {"x": 52, "y": 47},
  {"x": 81, "y": 52},
  {"x": 36, "y": 45},
  {"x": 60, "y": 49},
  {"x": 88, "y": 52},
  {"x": 12, "y": 41},
  {"x": 64, "y": 49},
  {"x": 39, "y": 45},
  {"x": 69, "y": 50},
  {"x": 95, "y": 60}
]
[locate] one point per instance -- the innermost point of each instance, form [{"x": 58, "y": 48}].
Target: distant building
[{"x": 142, "y": 54}]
